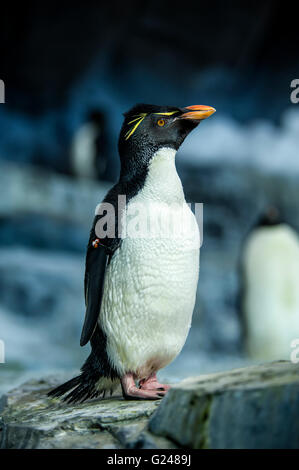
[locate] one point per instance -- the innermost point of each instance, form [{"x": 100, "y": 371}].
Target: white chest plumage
[{"x": 150, "y": 284}]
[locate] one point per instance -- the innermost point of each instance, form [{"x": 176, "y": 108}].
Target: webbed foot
[
  {"x": 132, "y": 392},
  {"x": 151, "y": 383}
]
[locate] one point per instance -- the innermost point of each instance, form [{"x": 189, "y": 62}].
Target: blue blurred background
[{"x": 63, "y": 62}]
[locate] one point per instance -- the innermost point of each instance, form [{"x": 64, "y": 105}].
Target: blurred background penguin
[
  {"x": 270, "y": 293},
  {"x": 89, "y": 148}
]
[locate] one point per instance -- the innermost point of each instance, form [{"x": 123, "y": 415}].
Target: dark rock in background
[
  {"x": 61, "y": 62},
  {"x": 54, "y": 47}
]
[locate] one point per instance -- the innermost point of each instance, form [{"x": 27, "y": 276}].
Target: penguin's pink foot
[
  {"x": 151, "y": 383},
  {"x": 131, "y": 392}
]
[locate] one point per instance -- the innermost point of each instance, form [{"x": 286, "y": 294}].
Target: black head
[
  {"x": 96, "y": 116},
  {"x": 270, "y": 217},
  {"x": 147, "y": 128}
]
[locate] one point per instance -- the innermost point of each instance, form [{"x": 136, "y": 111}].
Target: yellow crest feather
[
  {"x": 167, "y": 114},
  {"x": 131, "y": 131}
]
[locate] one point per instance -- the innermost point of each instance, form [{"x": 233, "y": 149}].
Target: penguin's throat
[{"x": 162, "y": 183}]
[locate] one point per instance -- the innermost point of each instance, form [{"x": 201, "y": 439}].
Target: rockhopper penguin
[{"x": 140, "y": 290}]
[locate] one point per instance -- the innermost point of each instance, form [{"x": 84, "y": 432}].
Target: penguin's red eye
[{"x": 161, "y": 122}]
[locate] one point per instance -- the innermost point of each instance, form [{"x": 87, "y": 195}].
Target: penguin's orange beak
[{"x": 198, "y": 112}]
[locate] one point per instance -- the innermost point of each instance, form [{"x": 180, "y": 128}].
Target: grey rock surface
[
  {"x": 253, "y": 407},
  {"x": 31, "y": 420},
  {"x": 250, "y": 408}
]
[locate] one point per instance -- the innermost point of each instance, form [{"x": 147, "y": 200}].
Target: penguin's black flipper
[
  {"x": 99, "y": 253},
  {"x": 96, "y": 261}
]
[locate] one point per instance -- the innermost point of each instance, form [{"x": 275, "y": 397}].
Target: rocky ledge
[{"x": 252, "y": 407}]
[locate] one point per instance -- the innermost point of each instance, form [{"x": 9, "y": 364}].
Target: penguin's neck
[{"x": 162, "y": 183}]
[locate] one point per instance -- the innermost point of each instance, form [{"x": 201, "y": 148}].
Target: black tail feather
[
  {"x": 80, "y": 389},
  {"x": 83, "y": 387},
  {"x": 62, "y": 389}
]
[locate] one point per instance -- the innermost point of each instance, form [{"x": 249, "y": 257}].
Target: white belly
[
  {"x": 149, "y": 296},
  {"x": 148, "y": 303},
  {"x": 271, "y": 303}
]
